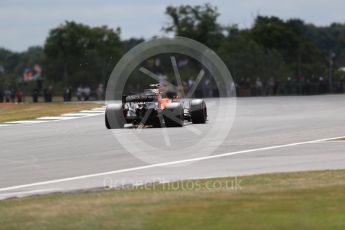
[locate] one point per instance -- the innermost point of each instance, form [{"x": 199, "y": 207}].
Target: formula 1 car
[{"x": 150, "y": 108}]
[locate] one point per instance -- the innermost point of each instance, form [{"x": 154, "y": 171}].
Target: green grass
[
  {"x": 305, "y": 200},
  {"x": 14, "y": 112}
]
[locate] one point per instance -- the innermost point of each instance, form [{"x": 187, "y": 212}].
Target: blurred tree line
[
  {"x": 76, "y": 53},
  {"x": 272, "y": 48}
]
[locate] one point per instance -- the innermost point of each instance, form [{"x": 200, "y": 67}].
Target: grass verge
[
  {"x": 15, "y": 112},
  {"x": 303, "y": 200}
]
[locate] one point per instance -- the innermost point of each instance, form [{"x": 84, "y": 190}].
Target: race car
[{"x": 150, "y": 108}]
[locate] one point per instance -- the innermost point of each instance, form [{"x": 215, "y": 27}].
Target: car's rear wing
[{"x": 140, "y": 98}]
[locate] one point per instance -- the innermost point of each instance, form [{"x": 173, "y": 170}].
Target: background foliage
[{"x": 272, "y": 48}]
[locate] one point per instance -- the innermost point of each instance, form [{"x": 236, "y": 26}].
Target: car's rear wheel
[
  {"x": 173, "y": 115},
  {"x": 198, "y": 111},
  {"x": 114, "y": 118}
]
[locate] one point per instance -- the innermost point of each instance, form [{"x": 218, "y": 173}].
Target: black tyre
[
  {"x": 114, "y": 118},
  {"x": 198, "y": 111},
  {"x": 173, "y": 115}
]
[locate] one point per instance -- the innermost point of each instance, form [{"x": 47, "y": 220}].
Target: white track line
[
  {"x": 26, "y": 122},
  {"x": 165, "y": 164},
  {"x": 55, "y": 118},
  {"x": 79, "y": 114},
  {"x": 92, "y": 111},
  {"x": 67, "y": 116},
  {"x": 99, "y": 109}
]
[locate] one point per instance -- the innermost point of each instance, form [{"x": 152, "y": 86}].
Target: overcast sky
[{"x": 25, "y": 23}]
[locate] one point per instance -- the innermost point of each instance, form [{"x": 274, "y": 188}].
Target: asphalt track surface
[{"x": 269, "y": 134}]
